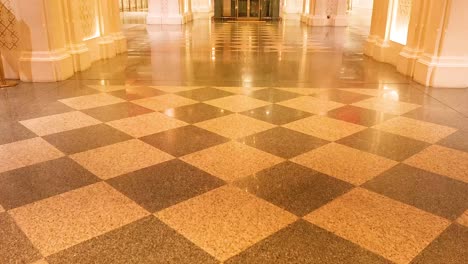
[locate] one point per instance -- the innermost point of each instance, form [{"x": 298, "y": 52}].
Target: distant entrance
[{"x": 247, "y": 9}]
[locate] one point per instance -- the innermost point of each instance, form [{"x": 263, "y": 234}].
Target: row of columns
[
  {"x": 57, "y": 38},
  {"x": 432, "y": 49}
]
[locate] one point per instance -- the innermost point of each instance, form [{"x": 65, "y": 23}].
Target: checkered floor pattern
[{"x": 183, "y": 174}]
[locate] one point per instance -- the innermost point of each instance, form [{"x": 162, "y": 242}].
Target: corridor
[{"x": 234, "y": 142}]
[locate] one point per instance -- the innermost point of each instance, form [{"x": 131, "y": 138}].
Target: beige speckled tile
[
  {"x": 175, "y": 89},
  {"x": 109, "y": 88},
  {"x": 59, "y": 123},
  {"x": 345, "y": 163},
  {"x": 463, "y": 219},
  {"x": 441, "y": 160},
  {"x": 162, "y": 102},
  {"x": 232, "y": 160},
  {"x": 304, "y": 91},
  {"x": 91, "y": 101},
  {"x": 26, "y": 152},
  {"x": 225, "y": 221},
  {"x": 124, "y": 157},
  {"x": 240, "y": 90},
  {"x": 371, "y": 92},
  {"x": 41, "y": 261},
  {"x": 67, "y": 219},
  {"x": 147, "y": 124},
  {"x": 325, "y": 128},
  {"x": 237, "y": 103},
  {"x": 311, "y": 104},
  {"x": 384, "y": 226},
  {"x": 415, "y": 129},
  {"x": 387, "y": 105},
  {"x": 235, "y": 126},
  {"x": 1, "y": 209}
]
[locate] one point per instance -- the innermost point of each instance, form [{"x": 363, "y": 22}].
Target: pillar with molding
[
  {"x": 169, "y": 12},
  {"x": 202, "y": 8},
  {"x": 44, "y": 55},
  {"x": 443, "y": 61},
  {"x": 292, "y": 9},
  {"x": 325, "y": 13},
  {"x": 58, "y": 37},
  {"x": 424, "y": 39}
]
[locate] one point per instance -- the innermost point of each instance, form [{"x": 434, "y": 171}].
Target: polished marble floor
[{"x": 234, "y": 143}]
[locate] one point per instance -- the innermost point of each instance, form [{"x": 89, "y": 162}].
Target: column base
[
  {"x": 48, "y": 66},
  {"x": 443, "y": 72},
  {"x": 407, "y": 60},
  {"x": 369, "y": 45},
  {"x": 340, "y": 21},
  {"x": 291, "y": 16},
  {"x": 202, "y": 15},
  {"x": 317, "y": 21},
  {"x": 120, "y": 42},
  {"x": 106, "y": 47},
  {"x": 169, "y": 20},
  {"x": 80, "y": 57}
]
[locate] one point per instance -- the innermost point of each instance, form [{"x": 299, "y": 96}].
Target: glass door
[{"x": 248, "y": 9}]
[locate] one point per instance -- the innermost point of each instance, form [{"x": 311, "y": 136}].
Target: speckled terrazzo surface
[{"x": 206, "y": 144}]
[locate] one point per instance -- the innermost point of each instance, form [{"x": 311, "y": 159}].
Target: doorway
[{"x": 247, "y": 9}]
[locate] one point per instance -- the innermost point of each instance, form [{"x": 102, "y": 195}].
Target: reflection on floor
[{"x": 245, "y": 143}]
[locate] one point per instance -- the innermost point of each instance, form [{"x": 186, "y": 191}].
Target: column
[
  {"x": 169, "y": 12},
  {"x": 378, "y": 43},
  {"x": 202, "y": 8},
  {"x": 75, "y": 36},
  {"x": 116, "y": 27},
  {"x": 44, "y": 56},
  {"x": 413, "y": 49},
  {"x": 340, "y": 19},
  {"x": 444, "y": 61},
  {"x": 106, "y": 42},
  {"x": 318, "y": 13},
  {"x": 292, "y": 9}
]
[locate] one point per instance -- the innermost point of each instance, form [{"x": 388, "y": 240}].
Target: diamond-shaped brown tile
[
  {"x": 273, "y": 95},
  {"x": 293, "y": 187},
  {"x": 276, "y": 114},
  {"x": 13, "y": 131},
  {"x": 196, "y": 113},
  {"x": 428, "y": 191},
  {"x": 340, "y": 96},
  {"x": 14, "y": 245},
  {"x": 184, "y": 140},
  {"x": 40, "y": 181},
  {"x": 457, "y": 140},
  {"x": 144, "y": 241},
  {"x": 302, "y": 242},
  {"x": 86, "y": 138},
  {"x": 204, "y": 94},
  {"x": 359, "y": 116},
  {"x": 384, "y": 144},
  {"x": 283, "y": 142},
  {"x": 450, "y": 247},
  {"x": 116, "y": 111},
  {"x": 163, "y": 185},
  {"x": 136, "y": 92}
]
